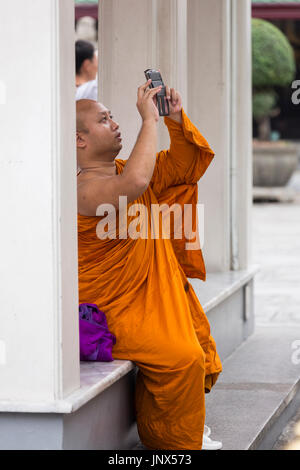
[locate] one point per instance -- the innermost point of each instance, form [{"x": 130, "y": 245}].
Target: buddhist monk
[{"x": 140, "y": 282}]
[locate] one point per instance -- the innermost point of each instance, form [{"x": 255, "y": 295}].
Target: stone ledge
[
  {"x": 95, "y": 377},
  {"x": 219, "y": 286},
  {"x": 258, "y": 385}
]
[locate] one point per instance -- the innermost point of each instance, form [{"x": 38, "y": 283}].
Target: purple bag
[{"x": 96, "y": 341}]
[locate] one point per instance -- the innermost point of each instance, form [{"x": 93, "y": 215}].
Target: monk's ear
[{"x": 80, "y": 140}]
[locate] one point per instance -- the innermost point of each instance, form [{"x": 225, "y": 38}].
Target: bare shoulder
[
  {"x": 87, "y": 179},
  {"x": 94, "y": 189}
]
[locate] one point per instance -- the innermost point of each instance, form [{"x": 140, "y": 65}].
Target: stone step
[
  {"x": 227, "y": 300},
  {"x": 257, "y": 393},
  {"x": 258, "y": 390}
]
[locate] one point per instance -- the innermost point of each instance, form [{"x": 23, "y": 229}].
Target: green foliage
[
  {"x": 263, "y": 103},
  {"x": 273, "y": 64},
  {"x": 273, "y": 57}
]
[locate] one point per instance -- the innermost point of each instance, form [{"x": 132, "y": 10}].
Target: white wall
[{"x": 38, "y": 238}]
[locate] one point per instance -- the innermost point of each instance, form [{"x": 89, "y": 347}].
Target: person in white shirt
[{"x": 86, "y": 71}]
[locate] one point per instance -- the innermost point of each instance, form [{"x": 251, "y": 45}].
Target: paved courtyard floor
[{"x": 276, "y": 248}]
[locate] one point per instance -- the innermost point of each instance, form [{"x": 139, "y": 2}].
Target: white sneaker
[
  {"x": 207, "y": 431},
  {"x": 209, "y": 444}
]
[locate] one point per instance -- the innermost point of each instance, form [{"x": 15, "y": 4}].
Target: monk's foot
[{"x": 208, "y": 443}]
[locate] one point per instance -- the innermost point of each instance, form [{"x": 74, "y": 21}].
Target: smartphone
[{"x": 162, "y": 102}]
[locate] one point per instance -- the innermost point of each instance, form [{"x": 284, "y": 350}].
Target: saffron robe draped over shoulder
[{"x": 141, "y": 284}]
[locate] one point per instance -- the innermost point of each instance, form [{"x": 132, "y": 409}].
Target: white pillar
[
  {"x": 38, "y": 239},
  {"x": 125, "y": 51},
  {"x": 242, "y": 136},
  {"x": 153, "y": 36},
  {"x": 171, "y": 51},
  {"x": 209, "y": 109}
]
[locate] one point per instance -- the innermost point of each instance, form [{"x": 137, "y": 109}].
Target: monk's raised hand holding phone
[
  {"x": 175, "y": 104},
  {"x": 146, "y": 102}
]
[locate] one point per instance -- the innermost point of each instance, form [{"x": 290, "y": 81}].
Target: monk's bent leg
[
  {"x": 213, "y": 365},
  {"x": 170, "y": 402}
]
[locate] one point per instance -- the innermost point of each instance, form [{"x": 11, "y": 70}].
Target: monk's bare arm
[
  {"x": 132, "y": 183},
  {"x": 140, "y": 164},
  {"x": 138, "y": 169}
]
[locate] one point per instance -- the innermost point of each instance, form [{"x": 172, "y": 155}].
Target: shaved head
[
  {"x": 97, "y": 133},
  {"x": 83, "y": 109}
]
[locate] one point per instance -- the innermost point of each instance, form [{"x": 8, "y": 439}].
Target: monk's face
[{"x": 97, "y": 132}]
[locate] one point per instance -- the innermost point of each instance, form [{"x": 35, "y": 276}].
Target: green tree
[{"x": 273, "y": 64}]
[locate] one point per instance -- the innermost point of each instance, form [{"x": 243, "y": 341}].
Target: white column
[
  {"x": 209, "y": 74},
  {"x": 171, "y": 51},
  {"x": 219, "y": 89},
  {"x": 242, "y": 137},
  {"x": 153, "y": 36},
  {"x": 125, "y": 51},
  {"x": 38, "y": 239}
]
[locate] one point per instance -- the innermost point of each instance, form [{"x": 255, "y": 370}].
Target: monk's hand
[
  {"x": 146, "y": 102},
  {"x": 175, "y": 104}
]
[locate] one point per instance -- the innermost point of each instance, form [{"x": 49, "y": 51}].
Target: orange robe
[{"x": 151, "y": 308}]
